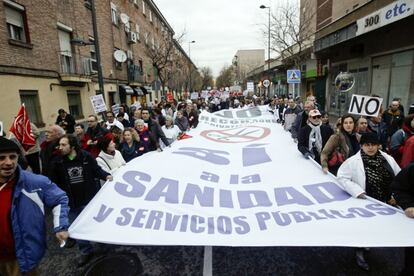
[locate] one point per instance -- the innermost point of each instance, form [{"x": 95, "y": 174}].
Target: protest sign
[{"x": 98, "y": 103}]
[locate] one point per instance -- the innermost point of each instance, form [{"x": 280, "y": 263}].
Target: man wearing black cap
[
  {"x": 22, "y": 197},
  {"x": 66, "y": 121},
  {"x": 369, "y": 172}
]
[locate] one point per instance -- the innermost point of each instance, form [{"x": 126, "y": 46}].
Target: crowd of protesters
[{"x": 366, "y": 155}]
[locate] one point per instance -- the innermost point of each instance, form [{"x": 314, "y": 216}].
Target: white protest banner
[
  {"x": 194, "y": 96},
  {"x": 115, "y": 108},
  {"x": 204, "y": 94},
  {"x": 365, "y": 105},
  {"x": 250, "y": 86},
  {"x": 239, "y": 181},
  {"x": 1, "y": 128},
  {"x": 98, "y": 103}
]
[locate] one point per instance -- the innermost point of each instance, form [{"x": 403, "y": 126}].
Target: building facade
[
  {"x": 48, "y": 57},
  {"x": 374, "y": 41}
]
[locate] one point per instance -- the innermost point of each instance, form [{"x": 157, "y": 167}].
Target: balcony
[
  {"x": 76, "y": 68},
  {"x": 135, "y": 75}
]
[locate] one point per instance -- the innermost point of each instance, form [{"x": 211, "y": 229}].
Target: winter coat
[
  {"x": 403, "y": 187},
  {"x": 31, "y": 193},
  {"x": 156, "y": 134},
  {"x": 300, "y": 122},
  {"x": 110, "y": 163},
  {"x": 303, "y": 140},
  {"x": 351, "y": 173},
  {"x": 336, "y": 141},
  {"x": 80, "y": 193},
  {"x": 137, "y": 149}
]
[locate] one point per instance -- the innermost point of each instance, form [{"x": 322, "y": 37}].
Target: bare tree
[
  {"x": 226, "y": 77},
  {"x": 206, "y": 77},
  {"x": 162, "y": 52},
  {"x": 292, "y": 29}
]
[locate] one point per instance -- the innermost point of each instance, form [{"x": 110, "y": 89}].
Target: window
[
  {"x": 66, "y": 62},
  {"x": 150, "y": 16},
  {"x": 137, "y": 31},
  {"x": 16, "y": 22},
  {"x": 141, "y": 67},
  {"x": 153, "y": 43},
  {"x": 30, "y": 98},
  {"x": 93, "y": 63},
  {"x": 146, "y": 36},
  {"x": 143, "y": 6},
  {"x": 114, "y": 14},
  {"x": 75, "y": 104},
  {"x": 136, "y": 3}
]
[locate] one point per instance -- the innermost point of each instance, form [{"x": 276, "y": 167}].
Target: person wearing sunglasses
[{"x": 313, "y": 136}]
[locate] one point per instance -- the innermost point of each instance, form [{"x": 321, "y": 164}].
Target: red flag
[{"x": 22, "y": 130}]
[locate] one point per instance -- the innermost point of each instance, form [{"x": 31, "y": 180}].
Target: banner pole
[{"x": 208, "y": 261}]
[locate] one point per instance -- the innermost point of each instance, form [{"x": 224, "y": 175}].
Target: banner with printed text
[{"x": 239, "y": 181}]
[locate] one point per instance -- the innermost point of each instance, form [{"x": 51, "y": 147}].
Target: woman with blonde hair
[{"x": 131, "y": 145}]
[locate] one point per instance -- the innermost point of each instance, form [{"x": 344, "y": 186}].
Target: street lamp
[
  {"x": 189, "y": 56},
  {"x": 268, "y": 42}
]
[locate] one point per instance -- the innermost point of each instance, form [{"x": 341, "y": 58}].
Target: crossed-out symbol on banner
[{"x": 237, "y": 135}]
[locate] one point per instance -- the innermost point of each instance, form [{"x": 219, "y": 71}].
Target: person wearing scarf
[
  {"x": 368, "y": 173},
  {"x": 345, "y": 142},
  {"x": 313, "y": 136}
]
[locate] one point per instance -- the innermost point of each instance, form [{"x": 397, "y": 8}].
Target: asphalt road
[{"x": 187, "y": 260}]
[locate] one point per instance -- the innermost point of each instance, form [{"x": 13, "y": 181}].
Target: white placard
[
  {"x": 250, "y": 86},
  {"x": 194, "y": 96},
  {"x": 365, "y": 105},
  {"x": 115, "y": 108},
  {"x": 98, "y": 103}
]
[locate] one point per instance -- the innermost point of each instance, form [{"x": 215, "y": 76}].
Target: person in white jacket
[
  {"x": 369, "y": 172},
  {"x": 109, "y": 159}
]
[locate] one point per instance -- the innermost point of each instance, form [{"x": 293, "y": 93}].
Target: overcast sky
[{"x": 219, "y": 27}]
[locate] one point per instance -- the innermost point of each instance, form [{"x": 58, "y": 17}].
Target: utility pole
[{"x": 97, "y": 49}]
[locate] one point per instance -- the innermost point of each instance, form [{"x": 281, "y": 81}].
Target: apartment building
[
  {"x": 247, "y": 60},
  {"x": 48, "y": 55},
  {"x": 371, "y": 39}
]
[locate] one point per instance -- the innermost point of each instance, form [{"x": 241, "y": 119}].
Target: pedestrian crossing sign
[{"x": 293, "y": 76}]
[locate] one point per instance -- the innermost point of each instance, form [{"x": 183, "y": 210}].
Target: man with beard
[{"x": 74, "y": 171}]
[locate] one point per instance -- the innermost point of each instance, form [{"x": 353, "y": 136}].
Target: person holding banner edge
[
  {"x": 345, "y": 143},
  {"x": 368, "y": 173},
  {"x": 403, "y": 189}
]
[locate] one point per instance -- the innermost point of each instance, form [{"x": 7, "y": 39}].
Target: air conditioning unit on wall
[{"x": 132, "y": 37}]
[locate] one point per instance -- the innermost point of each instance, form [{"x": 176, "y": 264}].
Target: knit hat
[
  {"x": 369, "y": 138},
  {"x": 7, "y": 145}
]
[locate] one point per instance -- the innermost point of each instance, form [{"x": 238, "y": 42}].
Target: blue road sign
[{"x": 293, "y": 76}]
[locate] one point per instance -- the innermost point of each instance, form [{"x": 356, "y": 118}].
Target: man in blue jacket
[{"x": 23, "y": 196}]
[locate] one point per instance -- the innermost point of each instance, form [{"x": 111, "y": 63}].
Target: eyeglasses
[
  {"x": 91, "y": 121},
  {"x": 316, "y": 117}
]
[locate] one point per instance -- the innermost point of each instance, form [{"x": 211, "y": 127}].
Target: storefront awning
[
  {"x": 126, "y": 89},
  {"x": 139, "y": 92},
  {"x": 144, "y": 90}
]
